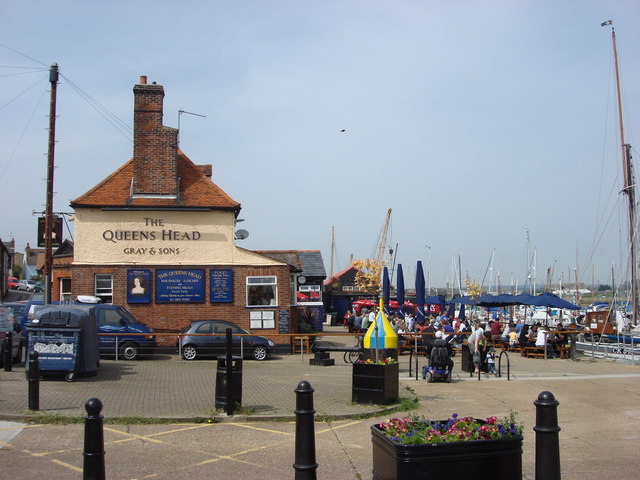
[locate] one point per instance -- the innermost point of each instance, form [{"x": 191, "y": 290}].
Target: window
[
  {"x": 308, "y": 293},
  {"x": 109, "y": 317},
  {"x": 348, "y": 288},
  {"x": 104, "y": 287},
  {"x": 65, "y": 290},
  {"x": 262, "y": 319},
  {"x": 204, "y": 328},
  {"x": 262, "y": 291}
]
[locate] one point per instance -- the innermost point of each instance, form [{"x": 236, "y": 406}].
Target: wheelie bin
[{"x": 66, "y": 339}]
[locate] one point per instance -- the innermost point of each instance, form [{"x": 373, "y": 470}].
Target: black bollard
[
  {"x": 547, "y": 442},
  {"x": 33, "y": 379},
  {"x": 93, "y": 465},
  {"x": 229, "y": 372},
  {"x": 305, "y": 465},
  {"x": 8, "y": 353}
]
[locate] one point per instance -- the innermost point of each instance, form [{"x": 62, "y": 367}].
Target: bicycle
[{"x": 352, "y": 357}]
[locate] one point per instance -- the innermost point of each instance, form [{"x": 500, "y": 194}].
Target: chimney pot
[{"x": 143, "y": 79}]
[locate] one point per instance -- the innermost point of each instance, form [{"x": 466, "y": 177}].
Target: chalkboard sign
[
  {"x": 221, "y": 285},
  {"x": 283, "y": 321},
  {"x": 179, "y": 286}
]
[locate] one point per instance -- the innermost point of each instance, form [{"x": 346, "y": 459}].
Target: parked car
[
  {"x": 12, "y": 283},
  {"x": 27, "y": 285},
  {"x": 8, "y": 324},
  {"x": 196, "y": 346}
]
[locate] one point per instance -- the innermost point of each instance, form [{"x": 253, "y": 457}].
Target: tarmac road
[{"x": 599, "y": 414}]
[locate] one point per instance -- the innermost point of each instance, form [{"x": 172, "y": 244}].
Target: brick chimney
[{"x": 155, "y": 147}]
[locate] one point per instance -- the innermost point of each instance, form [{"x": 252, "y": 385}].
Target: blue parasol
[
  {"x": 386, "y": 290},
  {"x": 420, "y": 286},
  {"x": 400, "y": 290}
]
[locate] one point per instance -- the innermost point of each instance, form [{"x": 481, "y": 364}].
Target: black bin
[
  {"x": 466, "y": 362},
  {"x": 222, "y": 389}
]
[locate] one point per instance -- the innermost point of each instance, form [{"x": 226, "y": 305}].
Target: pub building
[{"x": 158, "y": 237}]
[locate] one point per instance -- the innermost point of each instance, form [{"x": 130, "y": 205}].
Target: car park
[
  {"x": 27, "y": 285},
  {"x": 198, "y": 340}
]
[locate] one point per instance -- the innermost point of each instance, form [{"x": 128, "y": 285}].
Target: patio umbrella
[
  {"x": 386, "y": 290},
  {"x": 462, "y": 315},
  {"x": 400, "y": 290},
  {"x": 419, "y": 292},
  {"x": 551, "y": 300},
  {"x": 466, "y": 300}
]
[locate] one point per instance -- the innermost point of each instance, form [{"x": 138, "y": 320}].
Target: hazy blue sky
[{"x": 475, "y": 121}]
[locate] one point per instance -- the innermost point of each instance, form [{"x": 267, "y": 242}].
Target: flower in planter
[
  {"x": 417, "y": 430},
  {"x": 384, "y": 361}
]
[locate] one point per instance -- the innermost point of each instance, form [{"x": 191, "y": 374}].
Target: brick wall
[{"x": 176, "y": 316}]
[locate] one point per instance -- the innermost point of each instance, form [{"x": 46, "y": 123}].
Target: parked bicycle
[{"x": 352, "y": 357}]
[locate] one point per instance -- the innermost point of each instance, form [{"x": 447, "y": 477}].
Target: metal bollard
[
  {"x": 93, "y": 464},
  {"x": 33, "y": 378},
  {"x": 547, "y": 443},
  {"x": 8, "y": 352},
  {"x": 229, "y": 372},
  {"x": 305, "y": 465}
]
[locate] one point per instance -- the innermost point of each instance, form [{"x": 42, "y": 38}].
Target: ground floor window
[
  {"x": 262, "y": 319},
  {"x": 104, "y": 287},
  {"x": 65, "y": 290},
  {"x": 262, "y": 291}
]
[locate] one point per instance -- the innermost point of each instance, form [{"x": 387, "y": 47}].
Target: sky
[{"x": 488, "y": 127}]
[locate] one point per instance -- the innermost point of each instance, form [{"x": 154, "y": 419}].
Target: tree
[
  {"x": 473, "y": 288},
  {"x": 369, "y": 274}
]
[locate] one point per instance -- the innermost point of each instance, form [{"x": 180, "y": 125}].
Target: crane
[{"x": 381, "y": 245}]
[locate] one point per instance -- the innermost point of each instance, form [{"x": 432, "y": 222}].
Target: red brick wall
[{"x": 175, "y": 316}]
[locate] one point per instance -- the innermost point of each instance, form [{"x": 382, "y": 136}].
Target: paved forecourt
[{"x": 598, "y": 414}]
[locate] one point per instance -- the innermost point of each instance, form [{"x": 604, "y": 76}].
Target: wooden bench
[
  {"x": 533, "y": 352},
  {"x": 297, "y": 341}
]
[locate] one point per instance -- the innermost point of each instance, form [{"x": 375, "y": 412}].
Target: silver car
[{"x": 27, "y": 285}]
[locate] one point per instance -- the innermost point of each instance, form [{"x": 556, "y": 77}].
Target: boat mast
[
  {"x": 333, "y": 246},
  {"x": 629, "y": 186}
]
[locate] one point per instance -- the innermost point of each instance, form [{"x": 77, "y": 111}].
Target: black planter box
[
  {"x": 375, "y": 383},
  {"x": 475, "y": 459}
]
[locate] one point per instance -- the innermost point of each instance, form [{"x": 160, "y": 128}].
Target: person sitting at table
[
  {"x": 523, "y": 338},
  {"x": 559, "y": 338},
  {"x": 532, "y": 336}
]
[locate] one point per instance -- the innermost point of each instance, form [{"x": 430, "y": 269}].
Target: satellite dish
[{"x": 241, "y": 234}]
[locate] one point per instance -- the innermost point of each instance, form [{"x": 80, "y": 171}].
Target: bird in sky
[{"x": 343, "y": 130}]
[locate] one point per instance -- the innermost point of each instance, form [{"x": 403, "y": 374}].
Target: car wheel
[
  {"x": 189, "y": 352},
  {"x": 129, "y": 351},
  {"x": 259, "y": 353},
  {"x": 429, "y": 377}
]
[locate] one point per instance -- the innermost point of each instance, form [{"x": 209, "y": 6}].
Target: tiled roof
[
  {"x": 290, "y": 257},
  {"x": 312, "y": 264},
  {"x": 196, "y": 190}
]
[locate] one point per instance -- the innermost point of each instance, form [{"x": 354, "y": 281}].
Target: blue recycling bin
[{"x": 66, "y": 339}]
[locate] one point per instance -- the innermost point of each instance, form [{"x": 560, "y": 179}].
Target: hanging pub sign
[
  {"x": 179, "y": 286},
  {"x": 221, "y": 285},
  {"x": 138, "y": 286},
  {"x": 56, "y": 232}
]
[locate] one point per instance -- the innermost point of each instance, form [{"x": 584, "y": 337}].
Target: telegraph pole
[{"x": 49, "y": 219}]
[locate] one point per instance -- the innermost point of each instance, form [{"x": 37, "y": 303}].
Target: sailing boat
[{"x": 603, "y": 324}]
